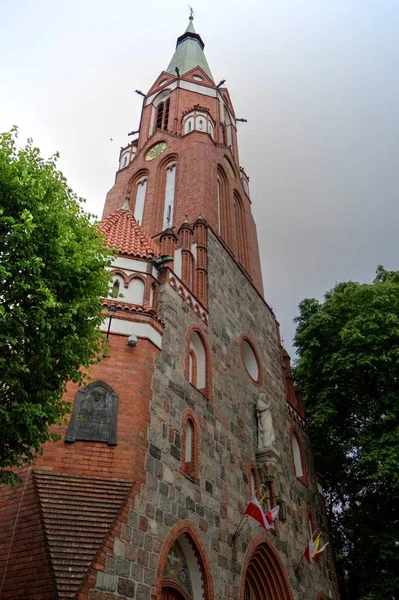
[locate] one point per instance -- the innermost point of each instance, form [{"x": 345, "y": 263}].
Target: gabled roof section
[
  {"x": 199, "y": 72},
  {"x": 125, "y": 234},
  {"x": 164, "y": 76},
  {"x": 189, "y": 53},
  {"x": 77, "y": 514}
]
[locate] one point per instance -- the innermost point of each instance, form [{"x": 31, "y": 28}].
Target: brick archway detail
[
  {"x": 264, "y": 568},
  {"x": 185, "y": 528}
]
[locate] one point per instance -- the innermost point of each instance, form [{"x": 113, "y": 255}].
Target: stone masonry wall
[{"x": 227, "y": 447}]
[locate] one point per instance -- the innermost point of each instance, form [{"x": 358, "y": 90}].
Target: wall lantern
[{"x": 282, "y": 513}]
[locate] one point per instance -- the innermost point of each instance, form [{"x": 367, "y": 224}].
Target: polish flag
[
  {"x": 255, "y": 511},
  {"x": 271, "y": 516}
]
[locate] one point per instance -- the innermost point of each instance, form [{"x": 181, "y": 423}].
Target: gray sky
[{"x": 317, "y": 80}]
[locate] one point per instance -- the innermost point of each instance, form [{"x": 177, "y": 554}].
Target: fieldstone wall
[{"x": 227, "y": 444}]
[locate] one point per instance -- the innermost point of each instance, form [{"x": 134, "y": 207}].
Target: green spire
[{"x": 189, "y": 53}]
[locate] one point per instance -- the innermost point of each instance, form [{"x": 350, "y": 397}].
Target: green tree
[
  {"x": 348, "y": 369},
  {"x": 52, "y": 274}
]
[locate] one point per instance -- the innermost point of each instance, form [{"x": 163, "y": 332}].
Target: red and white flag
[
  {"x": 271, "y": 516},
  {"x": 265, "y": 520},
  {"x": 255, "y": 511}
]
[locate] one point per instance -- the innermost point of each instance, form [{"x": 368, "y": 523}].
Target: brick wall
[{"x": 129, "y": 372}]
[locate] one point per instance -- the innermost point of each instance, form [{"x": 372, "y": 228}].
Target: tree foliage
[
  {"x": 348, "y": 369},
  {"x": 52, "y": 274}
]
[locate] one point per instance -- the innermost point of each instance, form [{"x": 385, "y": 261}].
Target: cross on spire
[{"x": 191, "y": 17}]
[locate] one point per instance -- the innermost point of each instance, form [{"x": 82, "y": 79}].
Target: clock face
[
  {"x": 155, "y": 151},
  {"x": 229, "y": 168}
]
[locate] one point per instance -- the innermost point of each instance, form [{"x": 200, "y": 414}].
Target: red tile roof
[
  {"x": 77, "y": 514},
  {"x": 124, "y": 233}
]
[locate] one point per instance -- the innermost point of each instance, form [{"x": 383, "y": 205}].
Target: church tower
[{"x": 193, "y": 412}]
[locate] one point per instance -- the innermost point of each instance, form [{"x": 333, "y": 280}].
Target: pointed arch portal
[
  {"x": 183, "y": 568},
  {"x": 263, "y": 574}
]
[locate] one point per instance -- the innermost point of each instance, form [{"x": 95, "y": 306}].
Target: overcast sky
[{"x": 318, "y": 81}]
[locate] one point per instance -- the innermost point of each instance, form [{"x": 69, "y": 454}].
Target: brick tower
[{"x": 194, "y": 410}]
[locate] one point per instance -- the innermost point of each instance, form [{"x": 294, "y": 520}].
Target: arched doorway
[
  {"x": 169, "y": 593},
  {"x": 183, "y": 569},
  {"x": 263, "y": 574}
]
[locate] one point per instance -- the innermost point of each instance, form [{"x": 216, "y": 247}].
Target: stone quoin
[{"x": 143, "y": 494}]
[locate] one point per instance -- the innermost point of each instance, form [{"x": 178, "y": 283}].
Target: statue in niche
[
  {"x": 266, "y": 436},
  {"x": 94, "y": 415}
]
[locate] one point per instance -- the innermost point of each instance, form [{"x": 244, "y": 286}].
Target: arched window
[
  {"x": 241, "y": 232},
  {"x": 136, "y": 291},
  {"x": 160, "y": 112},
  {"x": 224, "y": 229},
  {"x": 169, "y": 202},
  {"x": 199, "y": 121},
  {"x": 188, "y": 453},
  {"x": 296, "y": 452},
  {"x": 198, "y": 368},
  {"x": 227, "y": 130},
  {"x": 197, "y": 352},
  {"x": 124, "y": 160},
  {"x": 190, "y": 441},
  {"x": 163, "y": 114},
  {"x": 219, "y": 200},
  {"x": 141, "y": 190},
  {"x": 115, "y": 288},
  {"x": 298, "y": 458},
  {"x": 192, "y": 359}
]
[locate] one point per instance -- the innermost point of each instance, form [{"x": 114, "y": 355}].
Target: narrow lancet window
[{"x": 169, "y": 195}]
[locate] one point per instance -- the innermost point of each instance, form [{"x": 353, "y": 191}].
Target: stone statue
[{"x": 266, "y": 435}]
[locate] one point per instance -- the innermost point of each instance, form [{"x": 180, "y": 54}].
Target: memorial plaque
[{"x": 94, "y": 415}]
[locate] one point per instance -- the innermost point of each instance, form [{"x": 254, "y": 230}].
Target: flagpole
[
  {"x": 303, "y": 555},
  {"x": 299, "y": 564},
  {"x": 236, "y": 534},
  {"x": 239, "y": 531}
]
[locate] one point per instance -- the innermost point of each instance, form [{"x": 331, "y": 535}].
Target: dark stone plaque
[{"x": 94, "y": 415}]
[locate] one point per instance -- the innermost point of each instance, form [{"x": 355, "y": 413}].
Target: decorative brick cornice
[
  {"x": 188, "y": 296},
  {"x": 129, "y": 312},
  {"x": 297, "y": 417}
]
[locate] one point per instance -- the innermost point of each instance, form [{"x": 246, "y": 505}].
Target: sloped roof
[
  {"x": 189, "y": 53},
  {"x": 125, "y": 234},
  {"x": 77, "y": 514}
]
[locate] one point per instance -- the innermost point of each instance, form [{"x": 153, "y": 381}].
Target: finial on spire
[{"x": 191, "y": 17}]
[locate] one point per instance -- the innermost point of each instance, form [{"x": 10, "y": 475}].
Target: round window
[{"x": 250, "y": 360}]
